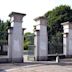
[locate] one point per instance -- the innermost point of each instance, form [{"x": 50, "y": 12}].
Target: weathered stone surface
[
  {"x": 67, "y": 38},
  {"x": 41, "y": 39},
  {"x": 16, "y": 38}
]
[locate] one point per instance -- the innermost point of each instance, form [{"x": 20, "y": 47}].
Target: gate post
[
  {"x": 36, "y": 43},
  {"x": 67, "y": 38},
  {"x": 17, "y": 37},
  {"x": 10, "y": 30},
  {"x": 41, "y": 44}
]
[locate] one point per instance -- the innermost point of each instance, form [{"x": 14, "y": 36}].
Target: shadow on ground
[{"x": 2, "y": 70}]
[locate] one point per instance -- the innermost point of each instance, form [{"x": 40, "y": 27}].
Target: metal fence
[
  {"x": 31, "y": 52},
  {"x": 3, "y": 43},
  {"x": 55, "y": 44}
]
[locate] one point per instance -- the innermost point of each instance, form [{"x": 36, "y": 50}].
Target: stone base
[
  {"x": 5, "y": 60},
  {"x": 68, "y": 56},
  {"x": 9, "y": 60},
  {"x": 41, "y": 58},
  {"x": 17, "y": 60}
]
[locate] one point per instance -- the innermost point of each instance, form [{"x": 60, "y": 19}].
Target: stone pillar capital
[
  {"x": 37, "y": 32},
  {"x": 16, "y": 17},
  {"x": 41, "y": 20},
  {"x": 66, "y": 26},
  {"x": 23, "y": 30},
  {"x": 10, "y": 30},
  {"x": 65, "y": 23},
  {"x": 65, "y": 35}
]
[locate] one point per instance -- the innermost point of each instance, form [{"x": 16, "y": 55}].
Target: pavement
[{"x": 37, "y": 66}]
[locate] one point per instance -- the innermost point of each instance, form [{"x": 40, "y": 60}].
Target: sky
[{"x": 32, "y": 9}]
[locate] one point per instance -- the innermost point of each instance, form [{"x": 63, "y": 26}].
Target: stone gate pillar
[
  {"x": 36, "y": 43},
  {"x": 10, "y": 30},
  {"x": 41, "y": 39},
  {"x": 17, "y": 37},
  {"x": 67, "y": 38}
]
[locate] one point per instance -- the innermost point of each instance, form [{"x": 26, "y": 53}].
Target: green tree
[
  {"x": 58, "y": 15},
  {"x": 4, "y": 29},
  {"x": 55, "y": 17},
  {"x": 3, "y": 34},
  {"x": 28, "y": 40}
]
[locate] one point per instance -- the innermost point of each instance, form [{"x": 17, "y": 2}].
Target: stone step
[{"x": 66, "y": 60}]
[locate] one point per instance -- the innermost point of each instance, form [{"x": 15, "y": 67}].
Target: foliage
[
  {"x": 3, "y": 34},
  {"x": 28, "y": 40},
  {"x": 58, "y": 15},
  {"x": 55, "y": 17},
  {"x": 4, "y": 29}
]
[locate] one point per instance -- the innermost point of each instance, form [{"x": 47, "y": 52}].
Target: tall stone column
[
  {"x": 36, "y": 43},
  {"x": 10, "y": 30},
  {"x": 17, "y": 38},
  {"x": 42, "y": 39},
  {"x": 67, "y": 38}
]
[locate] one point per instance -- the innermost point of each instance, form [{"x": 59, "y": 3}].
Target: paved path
[{"x": 36, "y": 67}]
